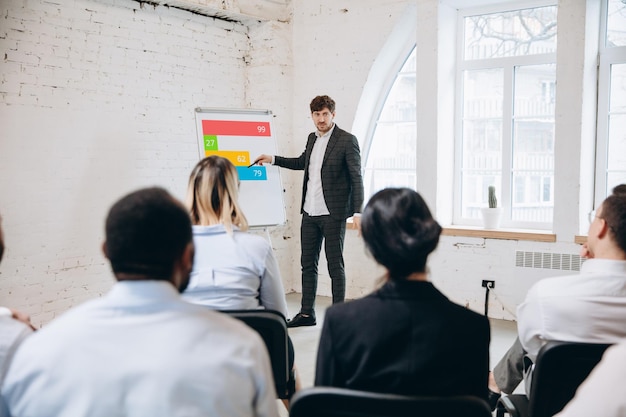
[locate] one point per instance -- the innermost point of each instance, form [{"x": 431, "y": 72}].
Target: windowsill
[{"x": 504, "y": 234}]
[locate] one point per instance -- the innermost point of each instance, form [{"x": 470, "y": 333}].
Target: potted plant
[{"x": 491, "y": 214}]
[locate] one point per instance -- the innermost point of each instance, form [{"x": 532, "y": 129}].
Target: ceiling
[{"x": 242, "y": 11}]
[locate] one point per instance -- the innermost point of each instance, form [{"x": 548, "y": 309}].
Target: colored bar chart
[
  {"x": 213, "y": 129},
  {"x": 241, "y": 135}
]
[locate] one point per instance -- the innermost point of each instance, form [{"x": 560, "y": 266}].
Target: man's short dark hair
[
  {"x": 321, "y": 102},
  {"x": 614, "y": 214},
  {"x": 147, "y": 231}
]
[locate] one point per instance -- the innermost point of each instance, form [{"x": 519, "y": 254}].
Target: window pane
[
  {"x": 618, "y": 89},
  {"x": 400, "y": 103},
  {"x": 482, "y": 138},
  {"x": 615, "y": 178},
  {"x": 616, "y": 23},
  {"x": 535, "y": 87},
  {"x": 391, "y": 159},
  {"x": 392, "y": 153},
  {"x": 515, "y": 33},
  {"x": 616, "y": 150},
  {"x": 533, "y": 143}
]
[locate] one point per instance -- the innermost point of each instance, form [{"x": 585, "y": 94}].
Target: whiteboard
[{"x": 240, "y": 136}]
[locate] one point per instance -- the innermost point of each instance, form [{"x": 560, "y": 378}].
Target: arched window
[{"x": 390, "y": 150}]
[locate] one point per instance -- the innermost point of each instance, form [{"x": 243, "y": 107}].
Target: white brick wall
[
  {"x": 97, "y": 98},
  {"x": 114, "y": 84}
]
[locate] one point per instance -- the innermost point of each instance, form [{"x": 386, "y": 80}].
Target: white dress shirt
[
  {"x": 12, "y": 334},
  {"x": 234, "y": 272},
  {"x": 314, "y": 203},
  {"x": 603, "y": 393},
  {"x": 587, "y": 307},
  {"x": 141, "y": 351}
]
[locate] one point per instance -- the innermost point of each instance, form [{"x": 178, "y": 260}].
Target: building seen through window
[
  {"x": 507, "y": 76},
  {"x": 390, "y": 155},
  {"x": 505, "y": 115},
  {"x": 611, "y": 137}
]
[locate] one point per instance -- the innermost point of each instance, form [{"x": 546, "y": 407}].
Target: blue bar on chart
[{"x": 254, "y": 173}]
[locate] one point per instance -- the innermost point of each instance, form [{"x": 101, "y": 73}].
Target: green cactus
[{"x": 493, "y": 202}]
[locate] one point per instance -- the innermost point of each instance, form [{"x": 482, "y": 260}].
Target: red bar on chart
[{"x": 235, "y": 128}]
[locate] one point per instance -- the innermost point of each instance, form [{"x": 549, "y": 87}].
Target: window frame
[
  {"x": 394, "y": 73},
  {"x": 508, "y": 65},
  {"x": 396, "y": 50},
  {"x": 607, "y": 56}
]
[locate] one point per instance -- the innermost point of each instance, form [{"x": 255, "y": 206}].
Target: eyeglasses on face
[{"x": 591, "y": 216}]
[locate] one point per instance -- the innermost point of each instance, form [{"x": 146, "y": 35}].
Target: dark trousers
[
  {"x": 332, "y": 231},
  {"x": 509, "y": 371}
]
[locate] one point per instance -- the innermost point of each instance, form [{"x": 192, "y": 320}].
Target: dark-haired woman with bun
[{"x": 406, "y": 337}]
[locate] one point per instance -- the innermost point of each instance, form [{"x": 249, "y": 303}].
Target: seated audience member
[
  {"x": 603, "y": 393},
  {"x": 15, "y": 326},
  {"x": 232, "y": 269},
  {"x": 586, "y": 307},
  {"x": 406, "y": 337},
  {"x": 141, "y": 350}
]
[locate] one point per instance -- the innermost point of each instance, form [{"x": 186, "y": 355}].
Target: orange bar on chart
[{"x": 238, "y": 158}]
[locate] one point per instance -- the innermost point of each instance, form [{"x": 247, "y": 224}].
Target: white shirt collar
[
  {"x": 142, "y": 291},
  {"x": 604, "y": 265}
]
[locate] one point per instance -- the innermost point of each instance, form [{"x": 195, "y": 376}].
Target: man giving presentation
[{"x": 332, "y": 191}]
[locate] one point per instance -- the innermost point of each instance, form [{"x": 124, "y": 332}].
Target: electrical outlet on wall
[{"x": 488, "y": 284}]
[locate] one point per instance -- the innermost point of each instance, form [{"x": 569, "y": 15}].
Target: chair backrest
[
  {"x": 559, "y": 369},
  {"x": 341, "y": 402},
  {"x": 272, "y": 327}
]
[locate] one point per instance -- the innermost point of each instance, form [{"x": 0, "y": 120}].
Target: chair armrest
[{"x": 515, "y": 405}]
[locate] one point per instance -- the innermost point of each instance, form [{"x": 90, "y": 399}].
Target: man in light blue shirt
[
  {"x": 141, "y": 350},
  {"x": 15, "y": 326}
]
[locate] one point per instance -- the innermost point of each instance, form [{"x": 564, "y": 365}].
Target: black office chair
[
  {"x": 559, "y": 369},
  {"x": 272, "y": 327},
  {"x": 341, "y": 402}
]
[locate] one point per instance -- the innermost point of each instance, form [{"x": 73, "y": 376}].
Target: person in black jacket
[{"x": 406, "y": 337}]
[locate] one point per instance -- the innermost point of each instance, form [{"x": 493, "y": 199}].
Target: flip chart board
[{"x": 241, "y": 136}]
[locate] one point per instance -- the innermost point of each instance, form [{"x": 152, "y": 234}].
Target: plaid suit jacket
[{"x": 342, "y": 182}]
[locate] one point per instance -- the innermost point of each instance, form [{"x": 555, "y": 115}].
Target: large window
[
  {"x": 391, "y": 153},
  {"x": 611, "y": 139},
  {"x": 505, "y": 108}
]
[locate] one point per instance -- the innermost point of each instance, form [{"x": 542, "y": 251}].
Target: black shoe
[
  {"x": 302, "y": 320},
  {"x": 493, "y": 399}
]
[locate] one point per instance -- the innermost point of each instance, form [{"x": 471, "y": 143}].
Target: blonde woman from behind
[{"x": 232, "y": 269}]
